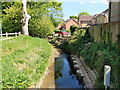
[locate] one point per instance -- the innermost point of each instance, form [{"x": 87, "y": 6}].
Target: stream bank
[{"x": 60, "y": 73}]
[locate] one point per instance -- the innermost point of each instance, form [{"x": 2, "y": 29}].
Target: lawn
[{"x": 24, "y": 61}]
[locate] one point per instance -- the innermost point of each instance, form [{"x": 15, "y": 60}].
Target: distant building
[
  {"x": 66, "y": 24},
  {"x": 100, "y": 18},
  {"x": 84, "y": 20}
]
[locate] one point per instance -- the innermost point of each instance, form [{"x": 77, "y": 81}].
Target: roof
[
  {"x": 65, "y": 22},
  {"x": 95, "y": 16},
  {"x": 85, "y": 18},
  {"x": 103, "y": 13}
]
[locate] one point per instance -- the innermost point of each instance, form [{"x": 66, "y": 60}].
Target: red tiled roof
[{"x": 85, "y": 18}]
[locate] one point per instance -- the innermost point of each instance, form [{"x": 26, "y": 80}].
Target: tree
[
  {"x": 41, "y": 23},
  {"x": 11, "y": 20},
  {"x": 55, "y": 12},
  {"x": 74, "y": 17},
  {"x": 83, "y": 13},
  {"x": 73, "y": 28},
  {"x": 25, "y": 19}
]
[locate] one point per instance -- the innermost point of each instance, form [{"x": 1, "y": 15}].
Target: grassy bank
[
  {"x": 96, "y": 55},
  {"x": 24, "y": 61}
]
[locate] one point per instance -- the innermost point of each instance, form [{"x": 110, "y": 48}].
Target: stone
[
  {"x": 76, "y": 66},
  {"x": 75, "y": 62},
  {"x": 79, "y": 73}
]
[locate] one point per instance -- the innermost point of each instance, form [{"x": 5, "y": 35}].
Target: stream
[{"x": 64, "y": 74}]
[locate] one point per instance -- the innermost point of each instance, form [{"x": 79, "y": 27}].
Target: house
[
  {"x": 100, "y": 18},
  {"x": 94, "y": 19},
  {"x": 103, "y": 17},
  {"x": 66, "y": 24},
  {"x": 84, "y": 20}
]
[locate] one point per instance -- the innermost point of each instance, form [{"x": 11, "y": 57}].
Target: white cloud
[
  {"x": 82, "y": 3},
  {"x": 93, "y": 1},
  {"x": 104, "y": 1}
]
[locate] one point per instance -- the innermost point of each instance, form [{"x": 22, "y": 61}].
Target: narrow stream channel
[{"x": 64, "y": 74}]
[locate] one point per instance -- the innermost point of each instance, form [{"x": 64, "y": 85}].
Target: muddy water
[{"x": 64, "y": 75}]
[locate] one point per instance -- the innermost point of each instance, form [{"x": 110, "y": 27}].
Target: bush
[
  {"x": 96, "y": 55},
  {"x": 73, "y": 28},
  {"x": 69, "y": 31}
]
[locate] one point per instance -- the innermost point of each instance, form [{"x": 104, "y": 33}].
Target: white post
[
  {"x": 16, "y": 34},
  {"x": 1, "y": 29},
  {"x": 6, "y": 35},
  {"x": 107, "y": 70},
  {"x": 19, "y": 33}
]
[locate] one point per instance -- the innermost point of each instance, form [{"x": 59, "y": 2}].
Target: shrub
[{"x": 69, "y": 31}]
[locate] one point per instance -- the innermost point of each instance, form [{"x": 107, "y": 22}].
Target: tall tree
[
  {"x": 84, "y": 13},
  {"x": 74, "y": 17},
  {"x": 25, "y": 19},
  {"x": 55, "y": 12}
]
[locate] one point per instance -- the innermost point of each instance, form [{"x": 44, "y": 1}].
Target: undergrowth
[{"x": 96, "y": 55}]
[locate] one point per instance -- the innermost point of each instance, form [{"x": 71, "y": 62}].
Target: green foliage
[
  {"x": 74, "y": 17},
  {"x": 73, "y": 28},
  {"x": 57, "y": 31},
  {"x": 24, "y": 61},
  {"x": 11, "y": 21},
  {"x": 69, "y": 31},
  {"x": 96, "y": 55},
  {"x": 79, "y": 32},
  {"x": 53, "y": 41},
  {"x": 83, "y": 13},
  {"x": 44, "y": 17}
]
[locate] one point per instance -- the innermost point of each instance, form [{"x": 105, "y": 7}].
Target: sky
[{"x": 74, "y": 7}]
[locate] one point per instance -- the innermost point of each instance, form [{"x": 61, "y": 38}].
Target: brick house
[
  {"x": 66, "y": 24},
  {"x": 100, "y": 18},
  {"x": 84, "y": 20}
]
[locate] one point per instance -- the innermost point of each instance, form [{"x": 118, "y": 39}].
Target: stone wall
[{"x": 105, "y": 32}]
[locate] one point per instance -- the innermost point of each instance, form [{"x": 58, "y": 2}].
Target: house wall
[
  {"x": 71, "y": 22},
  {"x": 84, "y": 23},
  {"x": 105, "y": 32}
]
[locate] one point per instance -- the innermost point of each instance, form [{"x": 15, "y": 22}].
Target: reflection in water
[{"x": 64, "y": 76}]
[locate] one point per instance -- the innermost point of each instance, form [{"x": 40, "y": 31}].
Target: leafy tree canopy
[
  {"x": 84, "y": 13},
  {"x": 44, "y": 17},
  {"x": 74, "y": 17}
]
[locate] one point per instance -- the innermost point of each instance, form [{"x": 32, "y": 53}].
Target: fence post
[
  {"x": 15, "y": 34},
  {"x": 19, "y": 33},
  {"x": 6, "y": 34}
]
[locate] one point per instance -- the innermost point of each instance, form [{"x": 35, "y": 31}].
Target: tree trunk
[{"x": 25, "y": 19}]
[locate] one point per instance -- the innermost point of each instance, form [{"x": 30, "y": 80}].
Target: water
[{"x": 64, "y": 74}]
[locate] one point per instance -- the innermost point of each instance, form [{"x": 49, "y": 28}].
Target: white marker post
[
  {"x": 1, "y": 29},
  {"x": 107, "y": 70}
]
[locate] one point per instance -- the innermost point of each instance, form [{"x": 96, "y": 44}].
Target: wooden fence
[{"x": 7, "y": 34}]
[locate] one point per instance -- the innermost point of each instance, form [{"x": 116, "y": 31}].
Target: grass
[{"x": 24, "y": 61}]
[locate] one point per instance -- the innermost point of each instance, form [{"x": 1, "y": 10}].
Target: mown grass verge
[{"x": 24, "y": 61}]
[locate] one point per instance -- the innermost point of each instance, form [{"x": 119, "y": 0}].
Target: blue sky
[{"x": 74, "y": 7}]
